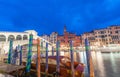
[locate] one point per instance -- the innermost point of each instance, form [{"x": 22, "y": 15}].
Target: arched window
[
  {"x": 11, "y": 37},
  {"x": 25, "y": 37},
  {"x": 19, "y": 37},
  {"x": 2, "y": 38}
]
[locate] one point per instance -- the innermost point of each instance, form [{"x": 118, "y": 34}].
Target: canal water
[{"x": 105, "y": 64}]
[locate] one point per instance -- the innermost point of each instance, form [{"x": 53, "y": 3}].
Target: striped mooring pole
[
  {"x": 28, "y": 64},
  {"x": 42, "y": 46},
  {"x": 21, "y": 55},
  {"x": 58, "y": 57},
  {"x": 46, "y": 69},
  {"x": 72, "y": 58},
  {"x": 52, "y": 51},
  {"x": 87, "y": 55},
  {"x": 10, "y": 51},
  {"x": 89, "y": 59}
]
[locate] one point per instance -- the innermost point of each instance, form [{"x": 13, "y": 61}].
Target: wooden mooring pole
[
  {"x": 38, "y": 58},
  {"x": 89, "y": 59}
]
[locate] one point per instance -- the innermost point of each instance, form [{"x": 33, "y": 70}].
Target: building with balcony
[{"x": 103, "y": 37}]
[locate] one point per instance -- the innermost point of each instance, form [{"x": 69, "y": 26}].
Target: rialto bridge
[{"x": 19, "y": 38}]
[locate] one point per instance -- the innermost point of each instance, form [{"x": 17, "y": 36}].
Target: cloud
[{"x": 46, "y": 16}]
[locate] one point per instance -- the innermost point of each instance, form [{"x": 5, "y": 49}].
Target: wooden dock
[
  {"x": 5, "y": 75},
  {"x": 14, "y": 70}
]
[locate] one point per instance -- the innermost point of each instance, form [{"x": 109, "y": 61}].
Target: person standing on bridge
[{"x": 15, "y": 55}]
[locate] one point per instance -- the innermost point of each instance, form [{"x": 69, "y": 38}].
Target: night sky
[{"x": 46, "y": 16}]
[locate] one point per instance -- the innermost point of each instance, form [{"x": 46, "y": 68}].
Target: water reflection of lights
[
  {"x": 100, "y": 65},
  {"x": 83, "y": 60},
  {"x": 105, "y": 64},
  {"x": 112, "y": 58}
]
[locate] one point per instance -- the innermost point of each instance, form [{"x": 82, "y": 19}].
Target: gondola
[{"x": 65, "y": 66}]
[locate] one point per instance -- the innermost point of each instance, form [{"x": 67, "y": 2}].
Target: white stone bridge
[{"x": 19, "y": 38}]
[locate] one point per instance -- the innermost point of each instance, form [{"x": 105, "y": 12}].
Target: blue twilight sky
[{"x": 46, "y": 16}]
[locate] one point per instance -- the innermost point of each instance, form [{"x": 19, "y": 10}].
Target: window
[
  {"x": 19, "y": 37},
  {"x": 106, "y": 39},
  {"x": 11, "y": 37},
  {"x": 102, "y": 32},
  {"x": 102, "y": 36},
  {"x": 110, "y": 32},
  {"x": 25, "y": 37},
  {"x": 62, "y": 40},
  {"x": 116, "y": 31}
]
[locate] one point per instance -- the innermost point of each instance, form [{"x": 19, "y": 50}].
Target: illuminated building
[
  {"x": 66, "y": 37},
  {"x": 103, "y": 37}
]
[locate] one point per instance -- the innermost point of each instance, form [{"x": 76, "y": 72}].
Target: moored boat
[{"x": 65, "y": 66}]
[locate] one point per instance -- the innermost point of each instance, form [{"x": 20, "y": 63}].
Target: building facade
[
  {"x": 46, "y": 37},
  {"x": 115, "y": 34},
  {"x": 66, "y": 37},
  {"x": 53, "y": 37},
  {"x": 103, "y": 37}
]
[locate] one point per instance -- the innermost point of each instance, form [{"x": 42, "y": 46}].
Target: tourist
[{"x": 15, "y": 55}]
